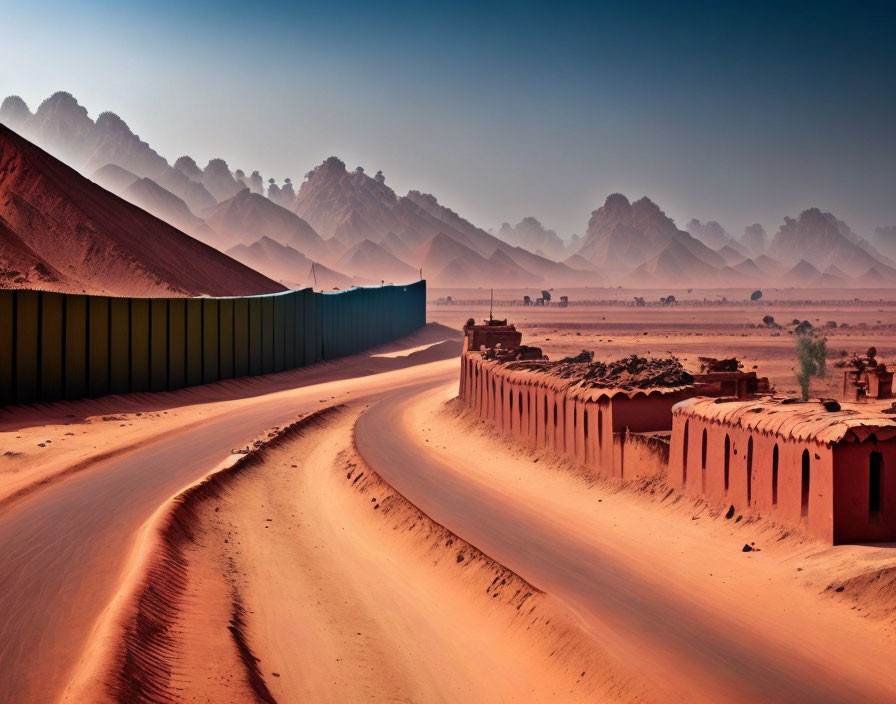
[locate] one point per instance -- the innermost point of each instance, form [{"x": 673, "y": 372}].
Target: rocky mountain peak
[
  {"x": 110, "y": 122},
  {"x": 188, "y": 166},
  {"x": 14, "y": 112}
]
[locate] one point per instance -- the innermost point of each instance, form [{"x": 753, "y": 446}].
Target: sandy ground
[
  {"x": 42, "y": 443},
  {"x": 307, "y": 578},
  {"x": 70, "y": 525},
  {"x": 350, "y": 593},
  {"x": 663, "y": 584}
]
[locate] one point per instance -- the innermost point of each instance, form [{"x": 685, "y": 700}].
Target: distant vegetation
[{"x": 810, "y": 353}]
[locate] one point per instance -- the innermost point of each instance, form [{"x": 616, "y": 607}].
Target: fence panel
[
  {"x": 27, "y": 349},
  {"x": 301, "y": 328},
  {"x": 76, "y": 352},
  {"x": 225, "y": 338},
  {"x": 194, "y": 342},
  {"x": 267, "y": 335},
  {"x": 98, "y": 345},
  {"x": 158, "y": 344},
  {"x": 289, "y": 331},
  {"x": 210, "y": 371},
  {"x": 139, "y": 360},
  {"x": 255, "y": 337},
  {"x": 7, "y": 354},
  {"x": 279, "y": 328},
  {"x": 177, "y": 343},
  {"x": 52, "y": 347},
  {"x": 119, "y": 345},
  {"x": 55, "y": 345},
  {"x": 241, "y": 366}
]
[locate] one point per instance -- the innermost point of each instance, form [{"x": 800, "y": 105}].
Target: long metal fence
[{"x": 57, "y": 346}]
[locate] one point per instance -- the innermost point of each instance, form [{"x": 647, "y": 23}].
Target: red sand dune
[{"x": 91, "y": 241}]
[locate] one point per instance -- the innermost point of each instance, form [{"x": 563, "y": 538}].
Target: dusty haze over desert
[{"x": 391, "y": 352}]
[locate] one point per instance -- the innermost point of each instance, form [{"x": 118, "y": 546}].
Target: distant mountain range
[
  {"x": 343, "y": 227},
  {"x": 61, "y": 232}
]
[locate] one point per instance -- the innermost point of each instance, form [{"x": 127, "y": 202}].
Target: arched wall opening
[
  {"x": 804, "y": 486},
  {"x": 775, "y": 475},
  {"x": 750, "y": 471},
  {"x": 703, "y": 463},
  {"x": 727, "y": 461},
  {"x": 875, "y": 482}
]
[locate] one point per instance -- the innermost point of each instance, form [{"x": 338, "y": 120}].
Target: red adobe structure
[
  {"x": 618, "y": 432},
  {"x": 826, "y": 467},
  {"x": 794, "y": 462}
]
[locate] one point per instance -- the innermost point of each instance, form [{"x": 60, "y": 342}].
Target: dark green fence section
[{"x": 57, "y": 346}]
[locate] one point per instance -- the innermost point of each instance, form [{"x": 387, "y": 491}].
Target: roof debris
[
  {"x": 800, "y": 420},
  {"x": 709, "y": 365},
  {"x": 631, "y": 372}
]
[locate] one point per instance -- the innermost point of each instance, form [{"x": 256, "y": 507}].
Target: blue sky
[{"x": 739, "y": 112}]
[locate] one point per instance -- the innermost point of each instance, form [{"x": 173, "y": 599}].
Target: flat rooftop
[{"x": 799, "y": 420}]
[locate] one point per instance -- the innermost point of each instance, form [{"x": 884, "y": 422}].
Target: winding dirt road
[
  {"x": 675, "y": 631},
  {"x": 63, "y": 547}
]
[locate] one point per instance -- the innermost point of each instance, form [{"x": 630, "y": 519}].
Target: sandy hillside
[{"x": 61, "y": 232}]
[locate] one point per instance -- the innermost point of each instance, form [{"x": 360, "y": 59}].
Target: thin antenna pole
[{"x": 491, "y": 305}]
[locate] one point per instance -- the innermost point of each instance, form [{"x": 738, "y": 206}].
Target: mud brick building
[
  {"x": 598, "y": 427},
  {"x": 834, "y": 471}
]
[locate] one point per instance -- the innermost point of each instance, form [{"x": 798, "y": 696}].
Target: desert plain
[{"x": 349, "y": 532}]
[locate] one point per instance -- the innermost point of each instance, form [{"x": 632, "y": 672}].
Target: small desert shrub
[{"x": 810, "y": 354}]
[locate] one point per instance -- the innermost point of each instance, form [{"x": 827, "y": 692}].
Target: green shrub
[{"x": 810, "y": 354}]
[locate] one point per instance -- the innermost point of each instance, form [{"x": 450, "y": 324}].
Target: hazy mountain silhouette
[
  {"x": 530, "y": 234},
  {"x": 248, "y": 216},
  {"x": 340, "y": 216},
  {"x": 714, "y": 236},
  {"x": 147, "y": 194},
  {"x": 370, "y": 261},
  {"x": 287, "y": 265},
  {"x": 638, "y": 239},
  {"x": 83, "y": 238},
  {"x": 61, "y": 126},
  {"x": 821, "y": 239}
]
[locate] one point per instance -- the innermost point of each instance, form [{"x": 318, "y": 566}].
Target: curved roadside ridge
[
  {"x": 402, "y": 515},
  {"x": 588, "y": 666},
  {"x": 85, "y": 464},
  {"x": 74, "y": 468},
  {"x": 135, "y": 661}
]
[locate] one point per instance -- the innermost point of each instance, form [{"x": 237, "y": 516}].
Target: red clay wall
[
  {"x": 527, "y": 408},
  {"x": 751, "y": 473},
  {"x": 603, "y": 434},
  {"x": 640, "y": 456},
  {"x": 853, "y": 519}
]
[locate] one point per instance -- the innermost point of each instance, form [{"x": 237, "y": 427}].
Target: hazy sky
[{"x": 718, "y": 110}]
